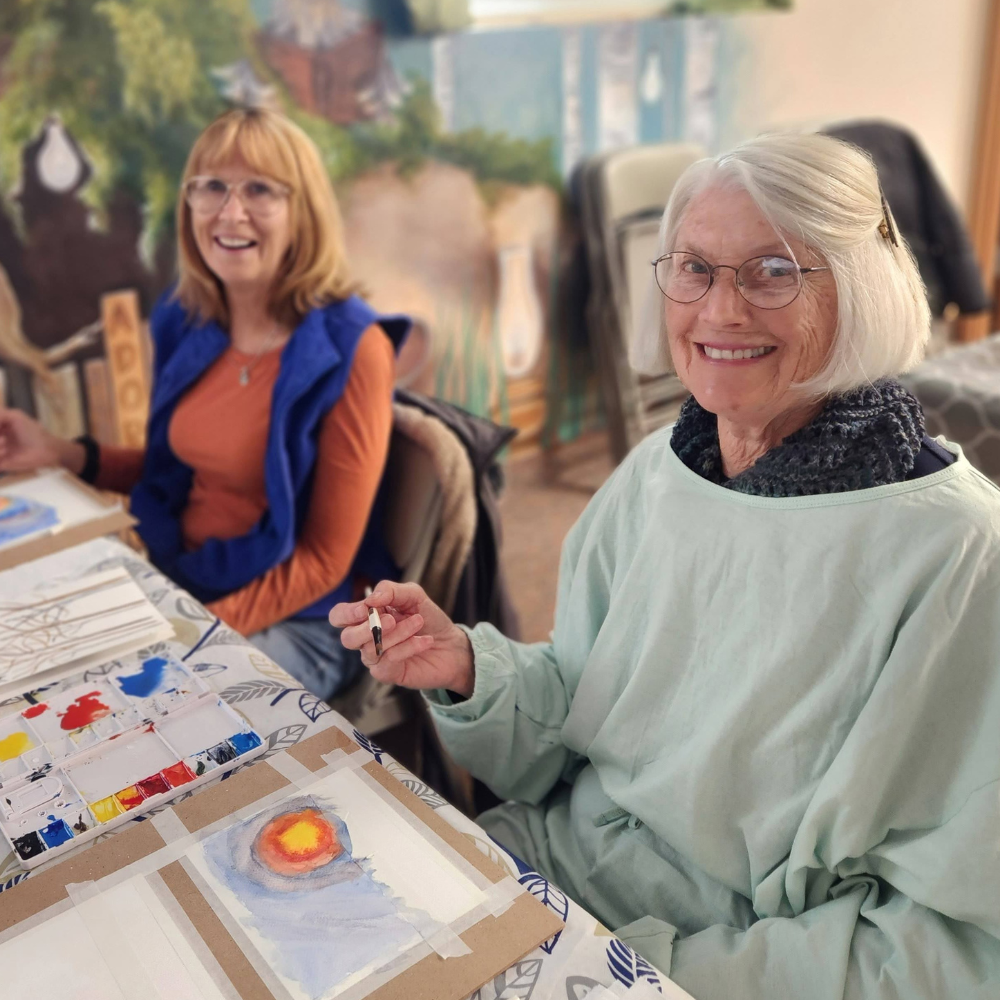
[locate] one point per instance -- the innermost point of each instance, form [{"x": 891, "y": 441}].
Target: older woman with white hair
[{"x": 763, "y": 744}]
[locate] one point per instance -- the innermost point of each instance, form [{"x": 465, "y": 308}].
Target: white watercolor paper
[
  {"x": 323, "y": 930},
  {"x": 91, "y": 620}
]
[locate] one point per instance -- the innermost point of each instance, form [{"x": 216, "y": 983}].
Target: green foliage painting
[{"x": 135, "y": 81}]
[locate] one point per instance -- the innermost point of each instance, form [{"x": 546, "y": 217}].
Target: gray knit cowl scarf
[{"x": 864, "y": 438}]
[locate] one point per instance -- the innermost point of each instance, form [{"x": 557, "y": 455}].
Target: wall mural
[{"x": 451, "y": 156}]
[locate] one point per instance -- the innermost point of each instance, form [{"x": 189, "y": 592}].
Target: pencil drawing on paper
[
  {"x": 57, "y": 625},
  {"x": 320, "y": 912}
]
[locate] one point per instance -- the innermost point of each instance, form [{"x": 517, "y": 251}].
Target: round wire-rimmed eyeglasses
[
  {"x": 767, "y": 282},
  {"x": 258, "y": 195}
]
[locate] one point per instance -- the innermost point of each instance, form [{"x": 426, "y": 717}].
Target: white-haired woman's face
[{"x": 723, "y": 225}]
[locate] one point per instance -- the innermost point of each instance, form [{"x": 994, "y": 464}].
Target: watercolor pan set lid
[{"x": 89, "y": 758}]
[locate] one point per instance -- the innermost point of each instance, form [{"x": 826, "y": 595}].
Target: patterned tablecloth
[{"x": 584, "y": 960}]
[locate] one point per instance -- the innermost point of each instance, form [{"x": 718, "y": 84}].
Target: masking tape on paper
[
  {"x": 112, "y": 942},
  {"x": 169, "y": 826}
]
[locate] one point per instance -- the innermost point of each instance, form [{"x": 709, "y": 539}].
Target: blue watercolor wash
[
  {"x": 147, "y": 681},
  {"x": 244, "y": 742},
  {"x": 57, "y": 833}
]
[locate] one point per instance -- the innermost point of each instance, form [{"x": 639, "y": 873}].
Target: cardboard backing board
[
  {"x": 496, "y": 943},
  {"x": 102, "y": 516}
]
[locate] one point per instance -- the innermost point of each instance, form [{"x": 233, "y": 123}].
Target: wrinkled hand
[
  {"x": 421, "y": 646},
  {"x": 25, "y": 445}
]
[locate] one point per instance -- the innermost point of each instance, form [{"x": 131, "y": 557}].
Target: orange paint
[
  {"x": 86, "y": 709},
  {"x": 178, "y": 774},
  {"x": 130, "y": 797},
  {"x": 297, "y": 842}
]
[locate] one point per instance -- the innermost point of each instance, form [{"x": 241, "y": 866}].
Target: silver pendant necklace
[{"x": 245, "y": 369}]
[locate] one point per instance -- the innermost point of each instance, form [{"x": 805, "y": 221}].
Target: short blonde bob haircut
[
  {"x": 315, "y": 270},
  {"x": 824, "y": 192}
]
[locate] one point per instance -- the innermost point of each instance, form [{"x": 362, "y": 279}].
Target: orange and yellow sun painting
[{"x": 297, "y": 842}]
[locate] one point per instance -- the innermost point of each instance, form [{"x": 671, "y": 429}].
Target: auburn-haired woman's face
[{"x": 241, "y": 224}]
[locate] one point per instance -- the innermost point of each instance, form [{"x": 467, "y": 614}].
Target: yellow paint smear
[
  {"x": 106, "y": 809},
  {"x": 14, "y": 745},
  {"x": 302, "y": 837}
]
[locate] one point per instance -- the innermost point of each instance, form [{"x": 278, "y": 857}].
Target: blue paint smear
[
  {"x": 322, "y": 933},
  {"x": 147, "y": 681}
]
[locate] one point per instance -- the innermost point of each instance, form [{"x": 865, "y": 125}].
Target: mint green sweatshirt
[{"x": 763, "y": 744}]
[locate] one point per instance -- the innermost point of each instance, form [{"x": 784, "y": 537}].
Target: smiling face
[
  {"x": 778, "y": 347},
  {"x": 244, "y": 250}
]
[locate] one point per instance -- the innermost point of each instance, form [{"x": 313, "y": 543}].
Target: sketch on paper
[
  {"x": 100, "y": 615},
  {"x": 321, "y": 910},
  {"x": 331, "y": 884}
]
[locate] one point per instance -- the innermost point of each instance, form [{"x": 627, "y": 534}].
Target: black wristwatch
[{"x": 92, "y": 461}]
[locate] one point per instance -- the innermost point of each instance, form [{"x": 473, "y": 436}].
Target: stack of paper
[{"x": 91, "y": 620}]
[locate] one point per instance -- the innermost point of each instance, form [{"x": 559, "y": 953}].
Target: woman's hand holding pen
[{"x": 421, "y": 646}]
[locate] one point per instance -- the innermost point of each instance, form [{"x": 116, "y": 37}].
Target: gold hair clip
[{"x": 886, "y": 229}]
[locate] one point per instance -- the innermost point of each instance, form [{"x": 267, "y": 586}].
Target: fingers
[
  {"x": 358, "y": 636},
  {"x": 407, "y": 597},
  {"x": 348, "y": 613},
  {"x": 392, "y": 636},
  {"x": 392, "y": 667}
]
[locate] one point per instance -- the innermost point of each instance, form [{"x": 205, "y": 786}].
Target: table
[{"x": 584, "y": 960}]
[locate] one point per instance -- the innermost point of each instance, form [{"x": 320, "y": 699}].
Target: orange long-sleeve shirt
[{"x": 220, "y": 429}]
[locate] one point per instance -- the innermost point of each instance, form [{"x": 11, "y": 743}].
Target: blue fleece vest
[{"x": 315, "y": 365}]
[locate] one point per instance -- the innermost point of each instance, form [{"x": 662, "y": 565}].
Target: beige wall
[{"x": 915, "y": 62}]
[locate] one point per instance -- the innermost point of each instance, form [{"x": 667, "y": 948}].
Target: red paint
[
  {"x": 178, "y": 774},
  {"x": 86, "y": 709},
  {"x": 35, "y": 711},
  {"x": 153, "y": 785}
]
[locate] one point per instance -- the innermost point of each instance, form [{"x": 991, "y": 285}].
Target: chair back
[{"x": 623, "y": 195}]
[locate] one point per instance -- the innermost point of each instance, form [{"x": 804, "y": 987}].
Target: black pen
[{"x": 375, "y": 624}]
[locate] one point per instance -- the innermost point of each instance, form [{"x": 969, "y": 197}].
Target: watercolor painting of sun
[{"x": 297, "y": 842}]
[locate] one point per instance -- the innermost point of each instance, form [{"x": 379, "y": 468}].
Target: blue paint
[
  {"x": 57, "y": 833},
  {"x": 245, "y": 742},
  {"x": 147, "y": 681}
]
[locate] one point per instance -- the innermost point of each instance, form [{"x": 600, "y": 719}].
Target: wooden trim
[{"x": 984, "y": 206}]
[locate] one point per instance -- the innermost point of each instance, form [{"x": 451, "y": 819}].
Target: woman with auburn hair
[{"x": 271, "y": 407}]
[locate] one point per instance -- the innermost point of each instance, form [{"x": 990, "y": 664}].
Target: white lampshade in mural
[
  {"x": 519, "y": 313},
  {"x": 59, "y": 165}
]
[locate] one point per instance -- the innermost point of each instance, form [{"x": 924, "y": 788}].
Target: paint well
[
  {"x": 29, "y": 846},
  {"x": 179, "y": 774},
  {"x": 156, "y": 784},
  {"x": 14, "y": 745},
  {"x": 106, "y": 809},
  {"x": 200, "y": 763},
  {"x": 130, "y": 797},
  {"x": 222, "y": 753},
  {"x": 56, "y": 833},
  {"x": 245, "y": 742}
]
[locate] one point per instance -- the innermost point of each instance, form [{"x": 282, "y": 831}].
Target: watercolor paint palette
[{"x": 79, "y": 763}]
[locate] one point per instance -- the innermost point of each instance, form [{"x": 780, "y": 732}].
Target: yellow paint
[
  {"x": 106, "y": 809},
  {"x": 14, "y": 745},
  {"x": 302, "y": 837}
]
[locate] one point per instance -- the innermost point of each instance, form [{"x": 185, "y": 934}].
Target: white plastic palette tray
[{"x": 86, "y": 760}]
